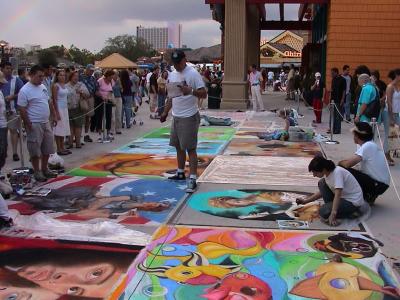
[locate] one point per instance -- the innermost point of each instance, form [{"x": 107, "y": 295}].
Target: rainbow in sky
[{"x": 24, "y": 8}]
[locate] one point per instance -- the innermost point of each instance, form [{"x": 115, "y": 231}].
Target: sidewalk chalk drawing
[
  {"x": 254, "y": 205},
  {"x": 272, "y": 148},
  {"x": 186, "y": 263},
  {"x": 120, "y": 164},
  {"x": 235, "y": 116},
  {"x": 249, "y": 134},
  {"x": 126, "y": 201},
  {"x": 205, "y": 133},
  {"x": 50, "y": 270},
  {"x": 162, "y": 147},
  {"x": 265, "y": 170}
]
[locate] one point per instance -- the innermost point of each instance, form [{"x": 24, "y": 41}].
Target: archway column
[{"x": 235, "y": 55}]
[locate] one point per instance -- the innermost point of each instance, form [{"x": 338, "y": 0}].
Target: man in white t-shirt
[
  {"x": 186, "y": 117},
  {"x": 148, "y": 75},
  {"x": 373, "y": 176},
  {"x": 270, "y": 78},
  {"x": 338, "y": 188},
  {"x": 255, "y": 79},
  {"x": 35, "y": 108},
  {"x": 3, "y": 125}
]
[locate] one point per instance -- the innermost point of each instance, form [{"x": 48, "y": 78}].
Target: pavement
[
  {"x": 382, "y": 225},
  {"x": 384, "y": 221}
]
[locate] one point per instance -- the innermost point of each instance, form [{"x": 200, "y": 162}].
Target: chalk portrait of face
[
  {"x": 247, "y": 204},
  {"x": 72, "y": 272},
  {"x": 88, "y": 203},
  {"x": 13, "y": 287}
]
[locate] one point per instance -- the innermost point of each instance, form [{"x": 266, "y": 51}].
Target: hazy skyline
[{"x": 87, "y": 24}]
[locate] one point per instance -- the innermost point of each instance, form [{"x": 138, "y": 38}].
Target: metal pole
[
  {"x": 104, "y": 138},
  {"x": 374, "y": 127},
  {"x": 332, "y": 114},
  {"x": 21, "y": 151}
]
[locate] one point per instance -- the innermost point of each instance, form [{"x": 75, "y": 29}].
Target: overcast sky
[{"x": 88, "y": 23}]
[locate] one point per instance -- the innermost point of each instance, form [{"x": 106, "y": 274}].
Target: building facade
[
  {"x": 161, "y": 38},
  {"x": 283, "y": 50},
  {"x": 156, "y": 37},
  {"x": 174, "y": 35},
  {"x": 358, "y": 32}
]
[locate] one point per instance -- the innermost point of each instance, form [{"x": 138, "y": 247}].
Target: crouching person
[
  {"x": 373, "y": 176},
  {"x": 340, "y": 191}
]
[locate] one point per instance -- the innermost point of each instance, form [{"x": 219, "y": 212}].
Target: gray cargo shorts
[
  {"x": 40, "y": 140},
  {"x": 184, "y": 132}
]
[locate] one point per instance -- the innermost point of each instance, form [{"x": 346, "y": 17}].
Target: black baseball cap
[{"x": 177, "y": 56}]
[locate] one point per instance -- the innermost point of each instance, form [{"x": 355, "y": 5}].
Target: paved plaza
[{"x": 115, "y": 200}]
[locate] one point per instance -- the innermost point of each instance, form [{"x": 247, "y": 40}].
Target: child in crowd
[{"x": 290, "y": 120}]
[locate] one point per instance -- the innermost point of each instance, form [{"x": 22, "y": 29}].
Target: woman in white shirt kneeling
[{"x": 339, "y": 189}]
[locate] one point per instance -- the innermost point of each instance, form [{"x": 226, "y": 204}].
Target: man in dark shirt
[
  {"x": 338, "y": 94},
  {"x": 153, "y": 93}
]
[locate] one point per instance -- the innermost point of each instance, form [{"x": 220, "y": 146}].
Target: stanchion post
[
  {"x": 374, "y": 127},
  {"x": 332, "y": 119},
  {"x": 21, "y": 151},
  {"x": 104, "y": 138},
  {"x": 297, "y": 97}
]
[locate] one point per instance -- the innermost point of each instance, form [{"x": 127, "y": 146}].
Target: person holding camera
[{"x": 186, "y": 117}]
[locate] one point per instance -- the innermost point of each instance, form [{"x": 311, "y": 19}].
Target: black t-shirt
[
  {"x": 153, "y": 82},
  {"x": 338, "y": 88},
  {"x": 381, "y": 87}
]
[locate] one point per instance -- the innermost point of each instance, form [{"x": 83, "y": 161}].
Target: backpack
[{"x": 374, "y": 108}]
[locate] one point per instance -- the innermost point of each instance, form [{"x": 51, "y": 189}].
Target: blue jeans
[
  {"x": 345, "y": 209},
  {"x": 347, "y": 104},
  {"x": 127, "y": 109},
  {"x": 161, "y": 103}
]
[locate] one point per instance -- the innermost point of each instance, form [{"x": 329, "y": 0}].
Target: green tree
[
  {"x": 47, "y": 57},
  {"x": 81, "y": 56},
  {"x": 128, "y": 46}
]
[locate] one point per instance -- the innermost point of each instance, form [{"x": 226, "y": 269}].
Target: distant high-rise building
[
  {"x": 174, "y": 35},
  {"x": 156, "y": 37},
  {"x": 162, "y": 37}
]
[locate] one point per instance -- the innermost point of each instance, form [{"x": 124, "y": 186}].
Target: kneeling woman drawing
[{"x": 338, "y": 188}]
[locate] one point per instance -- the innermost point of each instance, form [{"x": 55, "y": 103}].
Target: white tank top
[{"x": 396, "y": 101}]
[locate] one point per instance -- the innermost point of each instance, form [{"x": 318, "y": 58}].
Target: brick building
[{"x": 342, "y": 32}]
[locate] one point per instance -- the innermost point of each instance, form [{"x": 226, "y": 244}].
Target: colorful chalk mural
[
  {"x": 186, "y": 263},
  {"x": 254, "y": 205},
  {"x": 162, "y": 147},
  {"x": 205, "y": 133},
  {"x": 33, "y": 269},
  {"x": 120, "y": 164},
  {"x": 272, "y": 148},
  {"x": 123, "y": 200}
]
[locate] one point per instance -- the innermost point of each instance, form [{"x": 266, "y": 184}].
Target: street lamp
[
  {"x": 3, "y": 44},
  {"x": 162, "y": 61}
]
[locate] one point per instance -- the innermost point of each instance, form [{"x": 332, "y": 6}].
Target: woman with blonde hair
[{"x": 60, "y": 102}]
